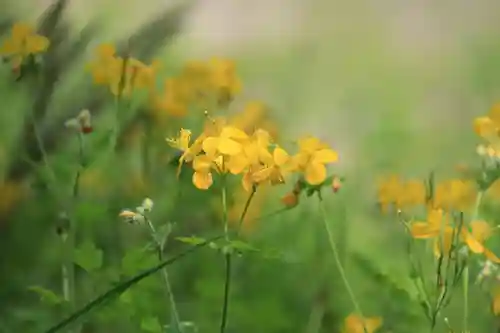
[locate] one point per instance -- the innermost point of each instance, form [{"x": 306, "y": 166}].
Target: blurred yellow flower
[
  {"x": 11, "y": 194},
  {"x": 224, "y": 80},
  {"x": 276, "y": 165},
  {"x": 438, "y": 227},
  {"x": 496, "y": 301},
  {"x": 122, "y": 75},
  {"x": 475, "y": 239},
  {"x": 23, "y": 42},
  {"x": 388, "y": 191},
  {"x": 173, "y": 100},
  {"x": 355, "y": 324},
  {"x": 102, "y": 68},
  {"x": 312, "y": 158},
  {"x": 455, "y": 194}
]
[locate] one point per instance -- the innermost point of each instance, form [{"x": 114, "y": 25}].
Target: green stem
[
  {"x": 338, "y": 262},
  {"x": 466, "y": 297},
  {"x": 466, "y": 273},
  {"x": 170, "y": 294},
  {"x": 120, "y": 288},
  {"x": 228, "y": 254},
  {"x": 227, "y": 257}
]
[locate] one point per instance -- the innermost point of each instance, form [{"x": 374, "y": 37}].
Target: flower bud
[
  {"x": 336, "y": 184},
  {"x": 290, "y": 200},
  {"x": 147, "y": 204}
]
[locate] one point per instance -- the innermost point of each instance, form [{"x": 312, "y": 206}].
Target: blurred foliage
[{"x": 290, "y": 283}]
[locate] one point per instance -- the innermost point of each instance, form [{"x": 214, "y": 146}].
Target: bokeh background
[{"x": 392, "y": 85}]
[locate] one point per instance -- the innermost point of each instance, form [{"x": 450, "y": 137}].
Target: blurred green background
[{"x": 393, "y": 86}]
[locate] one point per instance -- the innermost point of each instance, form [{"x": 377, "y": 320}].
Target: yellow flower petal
[
  {"x": 36, "y": 44},
  {"x": 325, "y": 156},
  {"x": 422, "y": 230},
  {"x": 233, "y": 133},
  {"x": 202, "y": 180},
  {"x": 202, "y": 163},
  {"x": 484, "y": 127},
  {"x": 480, "y": 230},
  {"x": 491, "y": 256},
  {"x": 262, "y": 174},
  {"x": 211, "y": 145},
  {"x": 10, "y": 47},
  {"x": 474, "y": 245},
  {"x": 21, "y": 31},
  {"x": 315, "y": 173},
  {"x": 229, "y": 147},
  {"x": 443, "y": 242},
  {"x": 236, "y": 164},
  {"x": 280, "y": 156},
  {"x": 494, "y": 113},
  {"x": 496, "y": 301}
]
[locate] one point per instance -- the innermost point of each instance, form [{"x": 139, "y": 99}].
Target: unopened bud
[
  {"x": 336, "y": 184},
  {"x": 147, "y": 204},
  {"x": 290, "y": 200}
]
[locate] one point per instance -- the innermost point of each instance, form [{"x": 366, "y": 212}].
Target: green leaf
[
  {"x": 155, "y": 34},
  {"x": 151, "y": 324},
  {"x": 119, "y": 289},
  {"x": 162, "y": 233},
  {"x": 136, "y": 259},
  {"x": 242, "y": 246},
  {"x": 88, "y": 256},
  {"x": 47, "y": 296},
  {"x": 192, "y": 240}
]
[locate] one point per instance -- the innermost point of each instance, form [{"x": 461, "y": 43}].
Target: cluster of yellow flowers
[
  {"x": 449, "y": 196},
  {"x": 199, "y": 85},
  {"x": 226, "y": 149},
  {"x": 22, "y": 43},
  {"x": 488, "y": 128}
]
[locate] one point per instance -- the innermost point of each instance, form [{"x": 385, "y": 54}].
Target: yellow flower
[
  {"x": 312, "y": 158},
  {"x": 202, "y": 176},
  {"x": 355, "y": 324},
  {"x": 227, "y": 143},
  {"x": 182, "y": 143},
  {"x": 195, "y": 76},
  {"x": 224, "y": 79},
  {"x": 496, "y": 301},
  {"x": 488, "y": 126},
  {"x": 129, "y": 74},
  {"x": 275, "y": 167},
  {"x": 251, "y": 117},
  {"x": 388, "y": 191},
  {"x": 23, "y": 42},
  {"x": 436, "y": 227},
  {"x": 455, "y": 194},
  {"x": 173, "y": 100},
  {"x": 475, "y": 239},
  {"x": 103, "y": 67}
]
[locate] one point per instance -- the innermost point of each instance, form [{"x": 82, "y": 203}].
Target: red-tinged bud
[
  {"x": 336, "y": 184},
  {"x": 87, "y": 129},
  {"x": 290, "y": 200}
]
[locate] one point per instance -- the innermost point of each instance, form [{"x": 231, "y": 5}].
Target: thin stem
[
  {"x": 170, "y": 294},
  {"x": 245, "y": 209},
  {"x": 338, "y": 262},
  {"x": 466, "y": 273},
  {"x": 123, "y": 286},
  {"x": 227, "y": 255}
]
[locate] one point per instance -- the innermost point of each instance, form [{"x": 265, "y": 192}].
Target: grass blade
[{"x": 121, "y": 288}]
